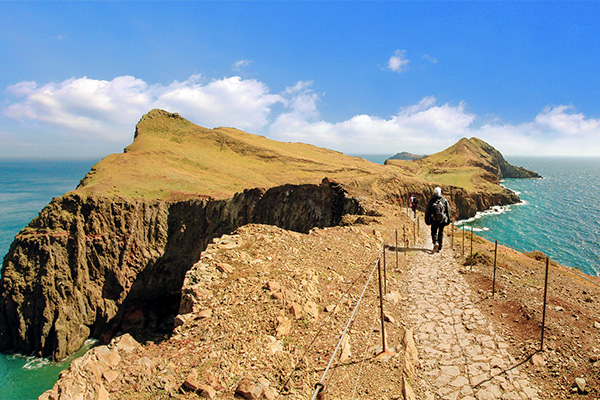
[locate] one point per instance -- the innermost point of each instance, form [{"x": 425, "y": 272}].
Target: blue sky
[{"x": 358, "y": 77}]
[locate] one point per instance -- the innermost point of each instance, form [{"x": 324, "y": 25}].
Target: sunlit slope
[
  {"x": 172, "y": 158},
  {"x": 470, "y": 163}
]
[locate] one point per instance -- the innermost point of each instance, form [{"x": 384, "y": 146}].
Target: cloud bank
[{"x": 87, "y": 115}]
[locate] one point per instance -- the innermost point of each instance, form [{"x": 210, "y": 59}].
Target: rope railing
[
  {"x": 324, "y": 323},
  {"x": 517, "y": 249},
  {"x": 320, "y": 385},
  {"x": 381, "y": 260},
  {"x": 521, "y": 250}
]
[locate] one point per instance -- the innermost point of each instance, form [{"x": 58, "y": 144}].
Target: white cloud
[
  {"x": 300, "y": 108},
  {"x": 109, "y": 109},
  {"x": 398, "y": 61},
  {"x": 241, "y": 64},
  {"x": 431, "y": 59},
  {"x": 83, "y": 106},
  {"x": 100, "y": 115},
  {"x": 425, "y": 126},
  {"x": 559, "y": 119},
  {"x": 554, "y": 131},
  {"x": 244, "y": 104}
]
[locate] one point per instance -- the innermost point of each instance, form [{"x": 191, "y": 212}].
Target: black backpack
[{"x": 438, "y": 210}]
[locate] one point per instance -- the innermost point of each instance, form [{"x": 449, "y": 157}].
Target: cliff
[
  {"x": 111, "y": 256},
  {"x": 263, "y": 308},
  {"x": 94, "y": 266}
]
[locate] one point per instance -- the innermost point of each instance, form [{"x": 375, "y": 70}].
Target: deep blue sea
[
  {"x": 25, "y": 188},
  {"x": 560, "y": 216}
]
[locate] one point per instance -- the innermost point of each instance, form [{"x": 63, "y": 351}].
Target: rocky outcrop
[
  {"x": 466, "y": 205},
  {"x": 87, "y": 377},
  {"x": 95, "y": 266},
  {"x": 463, "y": 204}
]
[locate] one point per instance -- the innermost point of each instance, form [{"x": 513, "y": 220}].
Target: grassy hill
[
  {"x": 172, "y": 158},
  {"x": 470, "y": 163}
]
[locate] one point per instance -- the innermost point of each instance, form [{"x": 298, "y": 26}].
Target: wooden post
[
  {"x": 381, "y": 308},
  {"x": 463, "y": 246},
  {"x": 396, "y": 249},
  {"x": 544, "y": 309},
  {"x": 471, "y": 241},
  {"x": 494, "y": 279},
  {"x": 384, "y": 271}
]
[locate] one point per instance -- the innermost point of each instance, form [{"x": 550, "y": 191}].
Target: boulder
[{"x": 249, "y": 390}]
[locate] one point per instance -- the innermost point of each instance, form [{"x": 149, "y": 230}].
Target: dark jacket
[{"x": 429, "y": 210}]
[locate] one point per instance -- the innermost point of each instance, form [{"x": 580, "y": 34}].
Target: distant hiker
[
  {"x": 413, "y": 202},
  {"x": 437, "y": 214}
]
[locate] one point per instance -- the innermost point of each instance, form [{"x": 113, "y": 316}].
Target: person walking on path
[
  {"x": 437, "y": 214},
  {"x": 413, "y": 202}
]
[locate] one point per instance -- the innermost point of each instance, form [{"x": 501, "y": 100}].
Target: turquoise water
[
  {"x": 25, "y": 188},
  {"x": 559, "y": 216}
]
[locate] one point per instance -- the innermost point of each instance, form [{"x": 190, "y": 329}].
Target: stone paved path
[{"x": 461, "y": 357}]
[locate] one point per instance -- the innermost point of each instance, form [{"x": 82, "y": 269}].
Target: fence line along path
[{"x": 461, "y": 357}]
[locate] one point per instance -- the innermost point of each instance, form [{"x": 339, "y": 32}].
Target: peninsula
[
  {"x": 97, "y": 261},
  {"x": 133, "y": 249}
]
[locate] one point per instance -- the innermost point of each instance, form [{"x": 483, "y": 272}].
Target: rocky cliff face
[
  {"x": 95, "y": 266},
  {"x": 467, "y": 205},
  {"x": 464, "y": 204}
]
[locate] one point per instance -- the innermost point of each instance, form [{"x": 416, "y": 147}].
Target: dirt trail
[{"x": 461, "y": 355}]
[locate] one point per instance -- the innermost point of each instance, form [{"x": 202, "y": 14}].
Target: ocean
[
  {"x": 559, "y": 215},
  {"x": 26, "y": 186}
]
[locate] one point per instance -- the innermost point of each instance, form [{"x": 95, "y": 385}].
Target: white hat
[{"x": 438, "y": 191}]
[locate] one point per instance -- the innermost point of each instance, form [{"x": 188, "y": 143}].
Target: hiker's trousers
[{"x": 437, "y": 234}]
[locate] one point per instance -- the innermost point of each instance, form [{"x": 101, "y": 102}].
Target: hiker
[
  {"x": 437, "y": 214},
  {"x": 413, "y": 202}
]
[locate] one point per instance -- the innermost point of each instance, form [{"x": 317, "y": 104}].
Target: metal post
[
  {"x": 396, "y": 249},
  {"x": 544, "y": 309},
  {"x": 381, "y": 308},
  {"x": 494, "y": 279},
  {"x": 471, "y": 241}
]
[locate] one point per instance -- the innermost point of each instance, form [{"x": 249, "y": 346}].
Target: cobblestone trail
[{"x": 461, "y": 357}]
